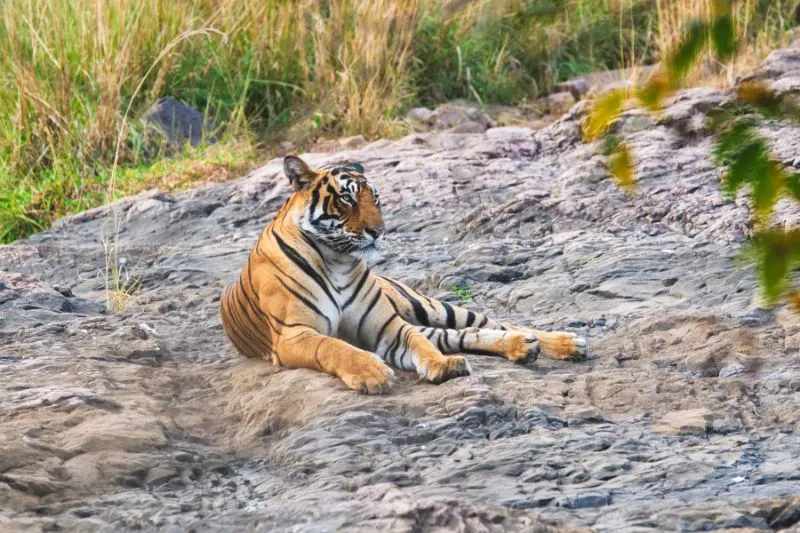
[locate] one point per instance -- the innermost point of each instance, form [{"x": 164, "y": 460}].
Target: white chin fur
[
  {"x": 373, "y": 253},
  {"x": 369, "y": 255}
]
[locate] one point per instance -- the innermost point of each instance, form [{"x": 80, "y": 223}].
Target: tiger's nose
[{"x": 375, "y": 231}]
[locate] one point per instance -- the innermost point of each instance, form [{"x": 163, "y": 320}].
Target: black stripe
[
  {"x": 349, "y": 284},
  {"x": 451, "y": 315},
  {"x": 312, "y": 244},
  {"x": 483, "y": 322},
  {"x": 357, "y": 289},
  {"x": 286, "y": 274},
  {"x": 431, "y": 333},
  {"x": 407, "y": 346},
  {"x": 304, "y": 300},
  {"x": 392, "y": 352},
  {"x": 461, "y": 341},
  {"x": 292, "y": 254},
  {"x": 352, "y": 267},
  {"x": 446, "y": 340},
  {"x": 470, "y": 318},
  {"x": 394, "y": 305},
  {"x": 254, "y": 307},
  {"x": 227, "y": 320},
  {"x": 290, "y": 324},
  {"x": 419, "y": 310},
  {"x": 369, "y": 308},
  {"x": 383, "y": 328},
  {"x": 248, "y": 332},
  {"x": 250, "y": 305}
]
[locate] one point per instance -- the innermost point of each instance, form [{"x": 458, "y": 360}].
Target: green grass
[{"x": 275, "y": 70}]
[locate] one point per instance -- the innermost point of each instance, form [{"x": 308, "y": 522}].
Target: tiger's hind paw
[
  {"x": 523, "y": 348},
  {"x": 563, "y": 346}
]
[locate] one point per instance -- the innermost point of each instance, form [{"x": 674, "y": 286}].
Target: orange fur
[{"x": 305, "y": 298}]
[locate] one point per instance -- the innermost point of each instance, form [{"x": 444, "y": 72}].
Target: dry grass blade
[{"x": 117, "y": 289}]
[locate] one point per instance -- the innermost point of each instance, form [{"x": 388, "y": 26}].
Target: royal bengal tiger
[{"x": 307, "y": 299}]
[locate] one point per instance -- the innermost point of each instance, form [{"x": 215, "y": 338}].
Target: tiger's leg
[
  {"x": 379, "y": 328},
  {"x": 402, "y": 345},
  {"x": 515, "y": 346},
  {"x": 358, "y": 369},
  {"x": 423, "y": 311}
]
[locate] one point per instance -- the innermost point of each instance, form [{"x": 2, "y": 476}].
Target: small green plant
[{"x": 464, "y": 292}]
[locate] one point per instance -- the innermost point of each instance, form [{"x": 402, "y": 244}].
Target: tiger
[{"x": 306, "y": 297}]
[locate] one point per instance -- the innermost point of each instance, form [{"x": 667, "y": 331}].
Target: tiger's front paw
[
  {"x": 444, "y": 368},
  {"x": 373, "y": 377}
]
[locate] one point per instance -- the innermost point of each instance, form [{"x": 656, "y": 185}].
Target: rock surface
[
  {"x": 180, "y": 123},
  {"x": 684, "y": 418}
]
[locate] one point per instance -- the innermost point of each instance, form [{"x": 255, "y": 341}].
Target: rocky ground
[{"x": 684, "y": 418}]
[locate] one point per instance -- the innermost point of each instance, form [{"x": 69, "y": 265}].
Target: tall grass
[{"x": 298, "y": 68}]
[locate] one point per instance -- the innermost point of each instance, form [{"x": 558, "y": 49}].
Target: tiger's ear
[{"x": 300, "y": 175}]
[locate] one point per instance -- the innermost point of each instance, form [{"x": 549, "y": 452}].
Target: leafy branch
[{"x": 740, "y": 150}]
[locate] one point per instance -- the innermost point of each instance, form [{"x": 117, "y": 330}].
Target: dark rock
[
  {"x": 180, "y": 123},
  {"x": 586, "y": 500}
]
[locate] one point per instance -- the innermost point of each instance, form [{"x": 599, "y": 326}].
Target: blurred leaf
[
  {"x": 684, "y": 57},
  {"x": 721, "y": 8},
  {"x": 794, "y": 300},
  {"x": 747, "y": 158},
  {"x": 723, "y": 37},
  {"x": 620, "y": 164},
  {"x": 546, "y": 9},
  {"x": 768, "y": 102},
  {"x": 748, "y": 166},
  {"x": 734, "y": 136},
  {"x": 606, "y": 109},
  {"x": 793, "y": 185},
  {"x": 610, "y": 143},
  {"x": 778, "y": 252},
  {"x": 762, "y": 97},
  {"x": 791, "y": 108},
  {"x": 655, "y": 91},
  {"x": 767, "y": 187}
]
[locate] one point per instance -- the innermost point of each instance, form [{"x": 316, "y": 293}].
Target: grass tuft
[{"x": 72, "y": 71}]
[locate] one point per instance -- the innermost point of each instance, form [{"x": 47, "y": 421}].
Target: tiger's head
[{"x": 336, "y": 206}]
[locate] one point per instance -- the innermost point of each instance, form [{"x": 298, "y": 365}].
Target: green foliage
[
  {"x": 723, "y": 37},
  {"x": 778, "y": 254},
  {"x": 510, "y": 52},
  {"x": 684, "y": 57},
  {"x": 297, "y": 69},
  {"x": 620, "y": 164},
  {"x": 464, "y": 292},
  {"x": 604, "y": 112},
  {"x": 793, "y": 185},
  {"x": 739, "y": 149}
]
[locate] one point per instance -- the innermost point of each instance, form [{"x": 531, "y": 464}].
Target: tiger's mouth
[
  {"x": 352, "y": 244},
  {"x": 375, "y": 244}
]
